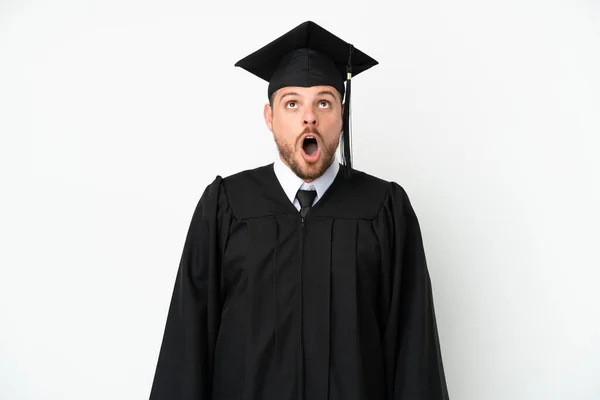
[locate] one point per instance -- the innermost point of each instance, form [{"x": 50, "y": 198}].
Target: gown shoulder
[
  {"x": 256, "y": 193},
  {"x": 359, "y": 196}
]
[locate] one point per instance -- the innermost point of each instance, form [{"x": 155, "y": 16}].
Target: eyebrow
[
  {"x": 321, "y": 93},
  {"x": 288, "y": 94}
]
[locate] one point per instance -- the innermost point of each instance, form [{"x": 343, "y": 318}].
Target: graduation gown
[{"x": 268, "y": 306}]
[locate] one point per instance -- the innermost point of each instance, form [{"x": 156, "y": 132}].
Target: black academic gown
[{"x": 267, "y": 306}]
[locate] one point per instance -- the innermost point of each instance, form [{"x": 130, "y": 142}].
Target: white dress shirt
[{"x": 291, "y": 183}]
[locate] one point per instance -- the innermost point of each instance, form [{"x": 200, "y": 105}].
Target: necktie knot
[{"x": 306, "y": 199}]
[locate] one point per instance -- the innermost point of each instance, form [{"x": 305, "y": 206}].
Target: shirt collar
[{"x": 291, "y": 183}]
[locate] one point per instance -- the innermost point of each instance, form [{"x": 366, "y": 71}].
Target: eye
[
  {"x": 324, "y": 104},
  {"x": 291, "y": 104}
]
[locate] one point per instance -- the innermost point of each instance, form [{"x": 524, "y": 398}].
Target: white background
[{"x": 115, "y": 115}]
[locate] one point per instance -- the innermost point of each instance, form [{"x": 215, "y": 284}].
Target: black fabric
[
  {"x": 306, "y": 199},
  {"x": 307, "y": 55},
  {"x": 266, "y": 307},
  {"x": 305, "y": 68}
]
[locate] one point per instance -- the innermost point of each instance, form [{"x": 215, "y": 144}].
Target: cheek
[
  {"x": 331, "y": 127},
  {"x": 284, "y": 125}
]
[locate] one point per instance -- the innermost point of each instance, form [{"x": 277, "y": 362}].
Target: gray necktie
[{"x": 306, "y": 199}]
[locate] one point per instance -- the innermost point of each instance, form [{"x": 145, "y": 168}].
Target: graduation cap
[{"x": 306, "y": 56}]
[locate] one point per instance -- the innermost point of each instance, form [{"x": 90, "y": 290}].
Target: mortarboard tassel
[{"x": 346, "y": 148}]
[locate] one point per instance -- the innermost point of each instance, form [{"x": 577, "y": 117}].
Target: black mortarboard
[{"x": 309, "y": 55}]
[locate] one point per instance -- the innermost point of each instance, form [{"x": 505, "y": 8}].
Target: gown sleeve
[
  {"x": 185, "y": 360},
  {"x": 414, "y": 365}
]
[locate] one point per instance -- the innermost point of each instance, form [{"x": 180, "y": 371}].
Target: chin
[
  {"x": 303, "y": 169},
  {"x": 310, "y": 171}
]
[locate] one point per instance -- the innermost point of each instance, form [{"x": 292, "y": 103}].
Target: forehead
[{"x": 308, "y": 91}]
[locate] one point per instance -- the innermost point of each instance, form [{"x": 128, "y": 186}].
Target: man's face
[{"x": 306, "y": 124}]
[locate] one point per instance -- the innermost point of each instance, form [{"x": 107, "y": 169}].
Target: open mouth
[{"x": 310, "y": 145}]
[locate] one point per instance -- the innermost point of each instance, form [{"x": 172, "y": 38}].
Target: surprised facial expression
[{"x": 306, "y": 123}]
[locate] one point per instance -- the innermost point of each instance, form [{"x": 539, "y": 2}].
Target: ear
[{"x": 268, "y": 114}]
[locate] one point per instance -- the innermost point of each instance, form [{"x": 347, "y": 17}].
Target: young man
[{"x": 303, "y": 279}]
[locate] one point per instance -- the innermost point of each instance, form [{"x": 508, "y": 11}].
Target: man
[{"x": 303, "y": 279}]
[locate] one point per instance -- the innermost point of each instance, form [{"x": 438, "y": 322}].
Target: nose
[{"x": 310, "y": 117}]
